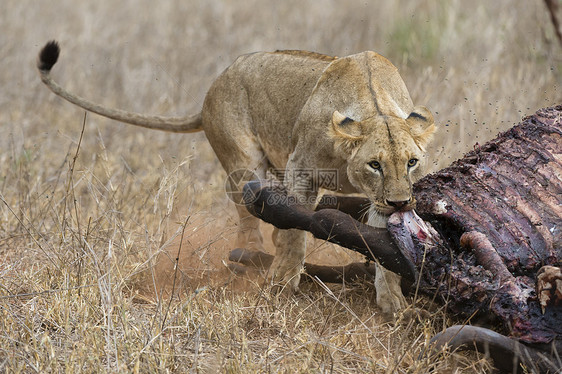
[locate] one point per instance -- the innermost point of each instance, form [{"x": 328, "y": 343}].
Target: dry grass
[{"x": 85, "y": 218}]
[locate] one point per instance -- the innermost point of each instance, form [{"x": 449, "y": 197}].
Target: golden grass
[{"x": 88, "y": 221}]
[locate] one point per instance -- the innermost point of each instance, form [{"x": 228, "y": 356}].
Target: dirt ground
[{"x": 202, "y": 257}]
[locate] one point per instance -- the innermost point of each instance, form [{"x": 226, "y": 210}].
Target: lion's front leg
[
  {"x": 389, "y": 292},
  {"x": 290, "y": 245},
  {"x": 288, "y": 263}
]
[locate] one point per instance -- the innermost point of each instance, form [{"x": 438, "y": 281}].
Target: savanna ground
[{"x": 90, "y": 222}]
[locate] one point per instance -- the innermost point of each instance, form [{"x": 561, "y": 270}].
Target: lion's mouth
[{"x": 387, "y": 209}]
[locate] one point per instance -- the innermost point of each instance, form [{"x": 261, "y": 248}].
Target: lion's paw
[
  {"x": 284, "y": 276},
  {"x": 390, "y": 298}
]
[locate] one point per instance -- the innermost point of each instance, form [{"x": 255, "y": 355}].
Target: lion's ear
[
  {"x": 422, "y": 126},
  {"x": 346, "y": 134}
]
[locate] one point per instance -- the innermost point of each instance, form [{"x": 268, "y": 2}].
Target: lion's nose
[{"x": 398, "y": 204}]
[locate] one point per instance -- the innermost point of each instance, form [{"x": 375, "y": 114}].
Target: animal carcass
[{"x": 489, "y": 241}]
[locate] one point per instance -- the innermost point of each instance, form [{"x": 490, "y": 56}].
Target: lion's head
[{"x": 385, "y": 155}]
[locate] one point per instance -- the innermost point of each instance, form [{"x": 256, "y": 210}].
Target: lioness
[{"x": 297, "y": 111}]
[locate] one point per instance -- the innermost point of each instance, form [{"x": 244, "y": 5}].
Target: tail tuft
[{"x": 48, "y": 56}]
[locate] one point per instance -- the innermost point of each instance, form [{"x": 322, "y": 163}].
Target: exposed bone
[{"x": 486, "y": 255}]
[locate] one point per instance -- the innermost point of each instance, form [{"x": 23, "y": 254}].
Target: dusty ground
[{"x": 203, "y": 255}]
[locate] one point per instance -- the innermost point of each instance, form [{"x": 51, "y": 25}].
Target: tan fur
[{"x": 302, "y": 110}]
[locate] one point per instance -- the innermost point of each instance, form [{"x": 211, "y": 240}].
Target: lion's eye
[
  {"x": 375, "y": 165},
  {"x": 412, "y": 162}
]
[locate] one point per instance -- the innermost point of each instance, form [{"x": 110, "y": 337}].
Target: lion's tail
[{"x": 48, "y": 57}]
